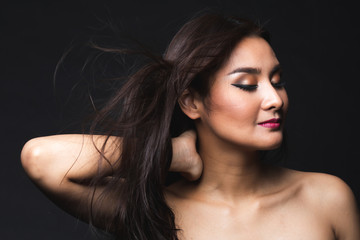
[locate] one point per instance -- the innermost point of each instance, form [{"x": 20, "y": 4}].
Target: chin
[
  {"x": 271, "y": 147},
  {"x": 271, "y": 144}
]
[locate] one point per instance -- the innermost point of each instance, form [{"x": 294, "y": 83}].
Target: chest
[{"x": 291, "y": 222}]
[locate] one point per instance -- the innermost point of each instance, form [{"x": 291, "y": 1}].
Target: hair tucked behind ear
[{"x": 145, "y": 113}]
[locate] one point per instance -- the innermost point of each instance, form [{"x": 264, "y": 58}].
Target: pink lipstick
[{"x": 271, "y": 123}]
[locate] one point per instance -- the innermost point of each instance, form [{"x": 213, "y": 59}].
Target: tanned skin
[
  {"x": 238, "y": 197},
  {"x": 227, "y": 193}
]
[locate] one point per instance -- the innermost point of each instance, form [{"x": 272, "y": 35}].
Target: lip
[{"x": 271, "y": 123}]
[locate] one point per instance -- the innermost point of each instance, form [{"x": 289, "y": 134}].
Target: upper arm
[
  {"x": 61, "y": 167},
  {"x": 341, "y": 208}
]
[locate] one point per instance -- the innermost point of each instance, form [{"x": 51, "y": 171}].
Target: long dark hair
[{"x": 146, "y": 115}]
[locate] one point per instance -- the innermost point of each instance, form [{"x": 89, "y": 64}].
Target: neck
[{"x": 230, "y": 173}]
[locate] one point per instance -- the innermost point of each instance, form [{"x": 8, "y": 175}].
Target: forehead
[{"x": 251, "y": 52}]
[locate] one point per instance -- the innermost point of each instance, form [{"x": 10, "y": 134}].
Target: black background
[{"x": 317, "y": 42}]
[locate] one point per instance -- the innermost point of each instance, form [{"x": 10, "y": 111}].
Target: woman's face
[{"x": 247, "y": 101}]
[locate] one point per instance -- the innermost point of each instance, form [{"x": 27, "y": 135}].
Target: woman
[{"x": 219, "y": 82}]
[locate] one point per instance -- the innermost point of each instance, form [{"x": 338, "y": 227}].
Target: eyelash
[
  {"x": 245, "y": 87},
  {"x": 279, "y": 85},
  {"x": 250, "y": 88}
]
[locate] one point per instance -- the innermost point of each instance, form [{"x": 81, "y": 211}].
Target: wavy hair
[{"x": 144, "y": 112}]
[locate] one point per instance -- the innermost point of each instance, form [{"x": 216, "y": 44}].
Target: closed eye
[
  {"x": 279, "y": 85},
  {"x": 245, "y": 87}
]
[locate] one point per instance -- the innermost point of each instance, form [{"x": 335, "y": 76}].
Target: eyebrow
[
  {"x": 246, "y": 70},
  {"x": 250, "y": 70}
]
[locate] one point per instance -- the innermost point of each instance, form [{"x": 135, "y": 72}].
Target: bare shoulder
[
  {"x": 325, "y": 189},
  {"x": 332, "y": 198},
  {"x": 320, "y": 188}
]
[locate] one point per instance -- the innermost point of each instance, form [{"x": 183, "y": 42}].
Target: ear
[{"x": 191, "y": 104}]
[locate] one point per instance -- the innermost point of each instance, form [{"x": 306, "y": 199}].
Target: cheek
[{"x": 231, "y": 107}]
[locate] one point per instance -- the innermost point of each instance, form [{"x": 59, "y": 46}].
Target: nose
[{"x": 272, "y": 98}]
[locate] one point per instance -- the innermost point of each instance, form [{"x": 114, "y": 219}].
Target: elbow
[{"x": 32, "y": 161}]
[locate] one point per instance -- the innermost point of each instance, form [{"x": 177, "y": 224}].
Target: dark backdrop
[{"x": 317, "y": 42}]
